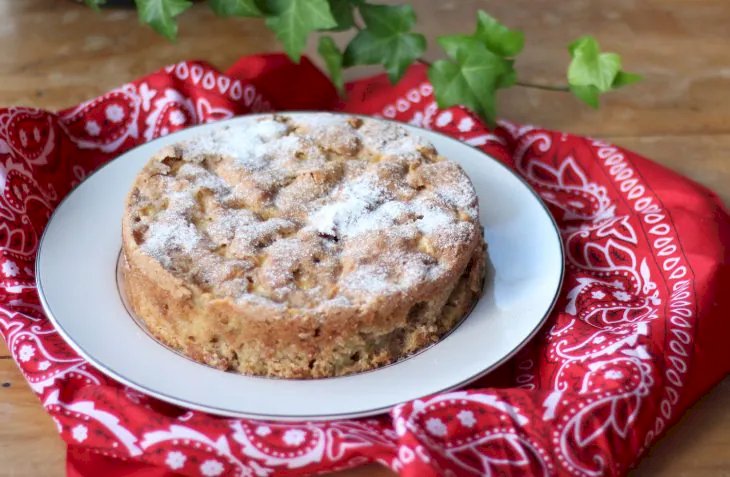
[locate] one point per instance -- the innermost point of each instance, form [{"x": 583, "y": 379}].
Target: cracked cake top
[{"x": 304, "y": 212}]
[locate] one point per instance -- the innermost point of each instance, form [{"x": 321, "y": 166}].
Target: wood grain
[
  {"x": 29, "y": 442},
  {"x": 54, "y": 53}
]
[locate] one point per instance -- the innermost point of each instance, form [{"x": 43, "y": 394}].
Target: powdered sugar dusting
[
  {"x": 432, "y": 218},
  {"x": 248, "y": 143},
  {"x": 170, "y": 235},
  {"x": 223, "y": 229},
  {"x": 365, "y": 206},
  {"x": 352, "y": 203},
  {"x": 323, "y": 121},
  {"x": 200, "y": 178},
  {"x": 383, "y": 217},
  {"x": 379, "y": 214},
  {"x": 389, "y": 139},
  {"x": 396, "y": 270}
]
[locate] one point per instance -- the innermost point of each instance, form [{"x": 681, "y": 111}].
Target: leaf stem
[
  {"x": 524, "y": 84},
  {"x": 547, "y": 87}
]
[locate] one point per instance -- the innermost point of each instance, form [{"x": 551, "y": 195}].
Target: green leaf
[
  {"x": 592, "y": 72},
  {"x": 235, "y": 8},
  {"x": 395, "y": 53},
  {"x": 456, "y": 86},
  {"x": 588, "y": 94},
  {"x": 332, "y": 56},
  {"x": 386, "y": 40},
  {"x": 509, "y": 77},
  {"x": 497, "y": 37},
  {"x": 94, "y": 4},
  {"x": 453, "y": 44},
  {"x": 624, "y": 78},
  {"x": 479, "y": 65},
  {"x": 386, "y": 20},
  {"x": 160, "y": 14},
  {"x": 342, "y": 11},
  {"x": 472, "y": 78},
  {"x": 591, "y": 67},
  {"x": 294, "y": 20},
  {"x": 458, "y": 46}
]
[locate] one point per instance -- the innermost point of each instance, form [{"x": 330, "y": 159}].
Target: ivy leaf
[
  {"x": 342, "y": 11},
  {"x": 471, "y": 78},
  {"x": 624, "y": 78},
  {"x": 94, "y": 4},
  {"x": 293, "y": 20},
  {"x": 456, "y": 47},
  {"x": 235, "y": 8},
  {"x": 497, "y": 37},
  {"x": 480, "y": 66},
  {"x": 386, "y": 20},
  {"x": 332, "y": 56},
  {"x": 588, "y": 94},
  {"x": 509, "y": 77},
  {"x": 454, "y": 44},
  {"x": 592, "y": 72},
  {"x": 456, "y": 84},
  {"x": 591, "y": 67},
  {"x": 160, "y": 14},
  {"x": 386, "y": 40},
  {"x": 395, "y": 53}
]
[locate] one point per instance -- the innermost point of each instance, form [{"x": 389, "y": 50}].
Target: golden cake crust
[{"x": 313, "y": 246}]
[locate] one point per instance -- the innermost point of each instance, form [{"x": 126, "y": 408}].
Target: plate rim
[{"x": 211, "y": 409}]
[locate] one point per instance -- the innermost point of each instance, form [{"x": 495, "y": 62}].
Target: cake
[{"x": 303, "y": 246}]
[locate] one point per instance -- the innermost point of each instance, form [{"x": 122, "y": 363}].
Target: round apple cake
[{"x": 302, "y": 246}]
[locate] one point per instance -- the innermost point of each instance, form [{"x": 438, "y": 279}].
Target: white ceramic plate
[{"x": 77, "y": 283}]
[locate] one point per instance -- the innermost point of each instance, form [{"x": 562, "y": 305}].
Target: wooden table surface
[{"x": 54, "y": 53}]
